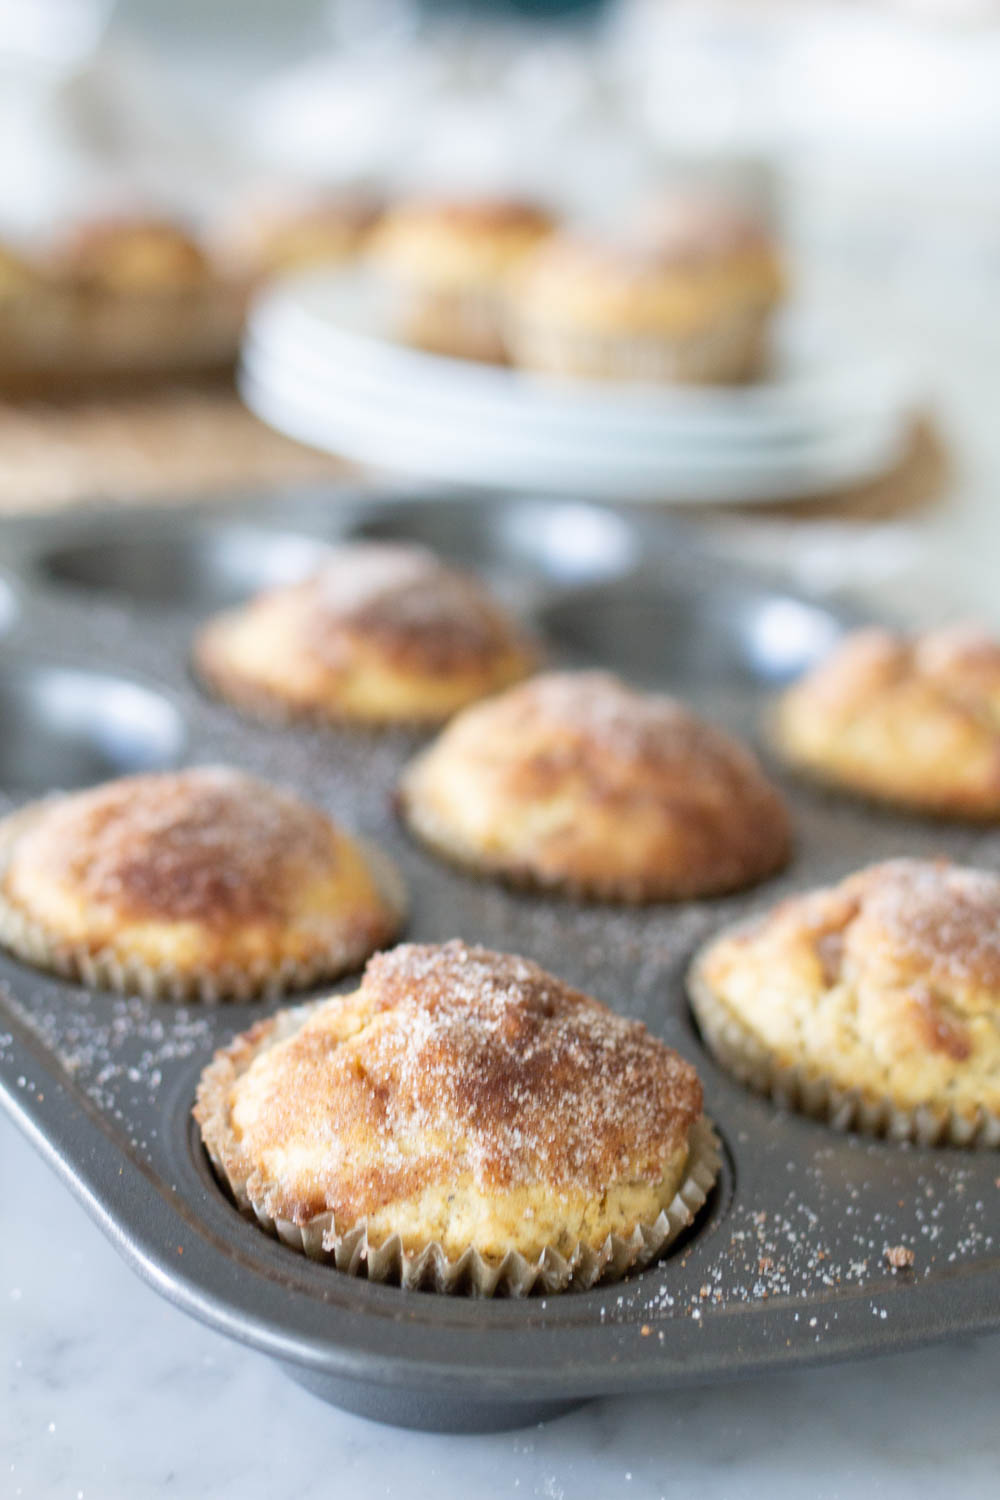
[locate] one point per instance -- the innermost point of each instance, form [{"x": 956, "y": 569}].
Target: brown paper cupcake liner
[
  {"x": 429, "y": 1267},
  {"x": 107, "y": 969},
  {"x": 795, "y": 1086},
  {"x": 457, "y": 322},
  {"x": 733, "y": 351},
  {"x": 65, "y": 334}
]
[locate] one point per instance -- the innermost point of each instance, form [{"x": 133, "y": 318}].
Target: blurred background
[{"x": 867, "y": 130}]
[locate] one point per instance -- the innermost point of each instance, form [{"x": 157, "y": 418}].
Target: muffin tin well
[
  {"x": 63, "y": 727},
  {"x": 786, "y": 1266},
  {"x": 561, "y": 542},
  {"x": 741, "y": 636},
  {"x": 195, "y": 566},
  {"x": 8, "y": 607}
]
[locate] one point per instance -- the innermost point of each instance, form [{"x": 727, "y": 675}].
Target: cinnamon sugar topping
[
  {"x": 944, "y": 919},
  {"x": 408, "y": 600},
  {"x": 614, "y": 719},
  {"x": 500, "y": 1069},
  {"x": 211, "y": 845}
]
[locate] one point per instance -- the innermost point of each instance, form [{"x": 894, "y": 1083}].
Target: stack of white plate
[{"x": 321, "y": 364}]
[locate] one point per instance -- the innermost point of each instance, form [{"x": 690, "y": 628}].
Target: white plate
[
  {"x": 318, "y": 363},
  {"x": 389, "y": 439},
  {"x": 294, "y": 374}
]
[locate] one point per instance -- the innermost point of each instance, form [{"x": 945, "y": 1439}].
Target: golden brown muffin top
[
  {"x": 297, "y": 231},
  {"x": 16, "y": 275},
  {"x": 471, "y": 216},
  {"x": 457, "y": 244},
  {"x": 617, "y": 737},
  {"x": 405, "y": 600},
  {"x": 131, "y": 254},
  {"x": 690, "y": 227},
  {"x": 932, "y": 922},
  {"x": 913, "y": 720},
  {"x": 209, "y": 845},
  {"x": 574, "y": 780},
  {"x": 646, "y": 284},
  {"x": 923, "y": 931},
  {"x": 498, "y": 1069},
  {"x": 961, "y": 662}
]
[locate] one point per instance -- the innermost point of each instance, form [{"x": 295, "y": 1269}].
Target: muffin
[
  {"x": 16, "y": 275},
  {"x": 687, "y": 298},
  {"x": 873, "y": 1004},
  {"x": 297, "y": 233},
  {"x": 463, "y": 1121},
  {"x": 912, "y": 721},
  {"x": 203, "y": 884},
  {"x": 576, "y": 782},
  {"x": 448, "y": 264},
  {"x": 381, "y": 634},
  {"x": 147, "y": 299},
  {"x": 35, "y": 321}
]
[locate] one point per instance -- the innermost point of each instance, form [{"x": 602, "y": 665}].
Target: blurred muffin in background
[
  {"x": 33, "y": 317},
  {"x": 449, "y": 262},
  {"x": 909, "y": 720},
  {"x": 146, "y": 299},
  {"x": 130, "y": 254},
  {"x": 684, "y": 294},
  {"x": 292, "y": 232},
  {"x": 16, "y": 275}
]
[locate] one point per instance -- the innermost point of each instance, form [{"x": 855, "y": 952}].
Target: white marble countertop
[{"x": 112, "y": 1394}]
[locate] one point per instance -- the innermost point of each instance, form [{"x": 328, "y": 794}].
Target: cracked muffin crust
[
  {"x": 463, "y": 1113},
  {"x": 874, "y": 1003},
  {"x": 204, "y": 883},
  {"x": 449, "y": 262},
  {"x": 575, "y": 781},
  {"x": 684, "y": 296},
  {"x": 297, "y": 231},
  {"x": 380, "y": 634},
  {"x": 913, "y": 721},
  {"x": 131, "y": 255},
  {"x": 121, "y": 296}
]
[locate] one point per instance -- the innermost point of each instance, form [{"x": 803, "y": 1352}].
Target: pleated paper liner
[
  {"x": 61, "y": 339},
  {"x": 731, "y": 352},
  {"x": 801, "y": 1088},
  {"x": 458, "y": 323},
  {"x": 429, "y": 1267},
  {"x": 108, "y": 969}
]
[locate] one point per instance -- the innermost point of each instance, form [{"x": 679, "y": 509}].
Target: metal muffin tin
[{"x": 787, "y": 1264}]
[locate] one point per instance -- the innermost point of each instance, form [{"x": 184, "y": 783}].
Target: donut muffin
[
  {"x": 269, "y": 238},
  {"x": 381, "y": 634},
  {"x": 913, "y": 721},
  {"x": 687, "y": 298},
  {"x": 874, "y": 1004},
  {"x": 202, "y": 884},
  {"x": 146, "y": 298},
  {"x": 448, "y": 264},
  {"x": 463, "y": 1121},
  {"x": 34, "y": 320},
  {"x": 575, "y": 781}
]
